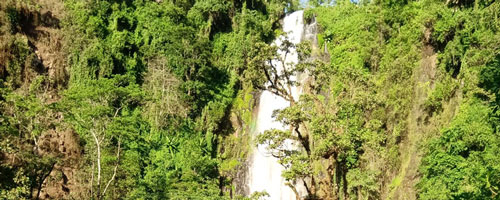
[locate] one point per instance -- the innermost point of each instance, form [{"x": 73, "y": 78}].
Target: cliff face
[
  {"x": 400, "y": 99},
  {"x": 32, "y": 31},
  {"x": 122, "y": 99},
  {"x": 421, "y": 124},
  {"x": 408, "y": 73},
  {"x": 33, "y": 70}
]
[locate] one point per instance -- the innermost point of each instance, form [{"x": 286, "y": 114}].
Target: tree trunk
[
  {"x": 330, "y": 185},
  {"x": 98, "y": 164},
  {"x": 42, "y": 179},
  {"x": 344, "y": 183},
  {"x": 338, "y": 175},
  {"x": 297, "y": 197}
]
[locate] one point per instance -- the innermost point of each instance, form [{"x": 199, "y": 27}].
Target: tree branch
[
  {"x": 92, "y": 180},
  {"x": 44, "y": 176},
  {"x": 303, "y": 140},
  {"x": 297, "y": 196},
  {"x": 98, "y": 161}
]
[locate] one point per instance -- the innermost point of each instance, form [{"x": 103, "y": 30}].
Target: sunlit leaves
[{"x": 463, "y": 160}]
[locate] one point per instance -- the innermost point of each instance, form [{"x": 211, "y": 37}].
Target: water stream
[{"x": 264, "y": 170}]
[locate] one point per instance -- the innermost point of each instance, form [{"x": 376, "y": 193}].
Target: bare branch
[
  {"x": 92, "y": 180},
  {"x": 116, "y": 112},
  {"x": 98, "y": 160}
]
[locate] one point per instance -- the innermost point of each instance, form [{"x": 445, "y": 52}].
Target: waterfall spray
[{"x": 264, "y": 173}]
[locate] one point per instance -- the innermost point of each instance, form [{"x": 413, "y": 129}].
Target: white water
[{"x": 264, "y": 169}]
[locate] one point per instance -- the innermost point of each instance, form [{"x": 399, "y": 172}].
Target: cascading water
[{"x": 264, "y": 169}]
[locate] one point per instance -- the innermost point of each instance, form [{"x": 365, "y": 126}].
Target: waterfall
[{"x": 264, "y": 172}]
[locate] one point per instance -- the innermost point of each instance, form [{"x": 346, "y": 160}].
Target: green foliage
[
  {"x": 24, "y": 171},
  {"x": 159, "y": 78},
  {"x": 155, "y": 86},
  {"x": 20, "y": 189},
  {"x": 382, "y": 76},
  {"x": 17, "y": 58},
  {"x": 362, "y": 182},
  {"x": 463, "y": 161}
]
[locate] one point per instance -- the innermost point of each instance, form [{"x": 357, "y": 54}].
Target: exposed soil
[
  {"x": 61, "y": 180},
  {"x": 41, "y": 26}
]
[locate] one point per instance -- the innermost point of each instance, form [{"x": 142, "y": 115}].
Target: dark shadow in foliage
[
  {"x": 214, "y": 81},
  {"x": 394, "y": 3},
  {"x": 439, "y": 46},
  {"x": 7, "y": 176},
  {"x": 124, "y": 24},
  {"x": 452, "y": 66},
  {"x": 221, "y": 24},
  {"x": 469, "y": 3},
  {"x": 461, "y": 3},
  {"x": 129, "y": 3},
  {"x": 35, "y": 61},
  {"x": 33, "y": 167},
  {"x": 25, "y": 21},
  {"x": 257, "y": 5},
  {"x": 490, "y": 80},
  {"x": 118, "y": 67},
  {"x": 476, "y": 147}
]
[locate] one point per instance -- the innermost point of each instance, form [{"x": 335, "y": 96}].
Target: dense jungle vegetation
[{"x": 154, "y": 99}]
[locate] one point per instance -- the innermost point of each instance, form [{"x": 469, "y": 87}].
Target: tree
[
  {"x": 91, "y": 108},
  {"x": 463, "y": 161},
  {"x": 268, "y": 71}
]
